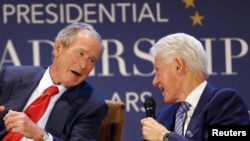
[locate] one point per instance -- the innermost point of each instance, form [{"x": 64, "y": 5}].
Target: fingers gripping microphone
[{"x": 149, "y": 106}]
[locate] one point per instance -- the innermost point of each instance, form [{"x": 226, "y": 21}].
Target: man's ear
[
  {"x": 57, "y": 44},
  {"x": 179, "y": 64},
  {"x": 56, "y": 48}
]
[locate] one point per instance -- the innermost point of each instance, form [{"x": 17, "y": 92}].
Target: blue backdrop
[{"x": 129, "y": 28}]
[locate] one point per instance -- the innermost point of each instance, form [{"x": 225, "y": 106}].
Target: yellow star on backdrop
[
  {"x": 197, "y": 18},
  {"x": 189, "y": 3}
]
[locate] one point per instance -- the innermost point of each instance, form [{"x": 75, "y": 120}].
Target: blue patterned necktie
[{"x": 179, "y": 120}]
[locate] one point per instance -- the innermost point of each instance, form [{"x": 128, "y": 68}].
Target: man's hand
[
  {"x": 2, "y": 108},
  {"x": 152, "y": 130},
  {"x": 19, "y": 122}
]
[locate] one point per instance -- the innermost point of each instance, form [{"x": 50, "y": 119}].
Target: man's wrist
[
  {"x": 45, "y": 136},
  {"x": 167, "y": 136}
]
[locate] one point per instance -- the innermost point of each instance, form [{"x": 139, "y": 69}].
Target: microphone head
[{"x": 149, "y": 106}]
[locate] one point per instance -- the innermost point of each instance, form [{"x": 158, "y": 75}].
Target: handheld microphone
[{"x": 149, "y": 106}]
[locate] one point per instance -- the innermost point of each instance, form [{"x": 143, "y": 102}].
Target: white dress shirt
[
  {"x": 44, "y": 83},
  {"x": 193, "y": 99}
]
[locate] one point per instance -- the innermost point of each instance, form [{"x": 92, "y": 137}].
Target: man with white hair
[{"x": 193, "y": 104}]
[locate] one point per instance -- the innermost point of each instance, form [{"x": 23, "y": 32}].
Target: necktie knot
[
  {"x": 184, "y": 107},
  {"x": 50, "y": 91}
]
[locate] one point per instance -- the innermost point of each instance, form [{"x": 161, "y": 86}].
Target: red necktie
[{"x": 35, "y": 111}]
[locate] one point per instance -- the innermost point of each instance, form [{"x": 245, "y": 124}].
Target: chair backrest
[{"x": 111, "y": 128}]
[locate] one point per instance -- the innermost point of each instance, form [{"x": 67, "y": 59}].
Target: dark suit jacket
[
  {"x": 216, "y": 107},
  {"x": 76, "y": 115}
]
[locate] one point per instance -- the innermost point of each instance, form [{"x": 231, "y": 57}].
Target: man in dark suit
[
  {"x": 76, "y": 111},
  {"x": 181, "y": 62}
]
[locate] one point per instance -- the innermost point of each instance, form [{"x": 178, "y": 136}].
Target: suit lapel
[
  {"x": 205, "y": 97},
  {"x": 167, "y": 116},
  {"x": 21, "y": 92},
  {"x": 171, "y": 119},
  {"x": 59, "y": 115}
]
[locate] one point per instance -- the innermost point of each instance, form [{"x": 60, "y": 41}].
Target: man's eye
[
  {"x": 80, "y": 53},
  {"x": 92, "y": 60}
]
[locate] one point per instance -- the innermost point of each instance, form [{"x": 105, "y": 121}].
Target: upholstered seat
[{"x": 111, "y": 128}]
